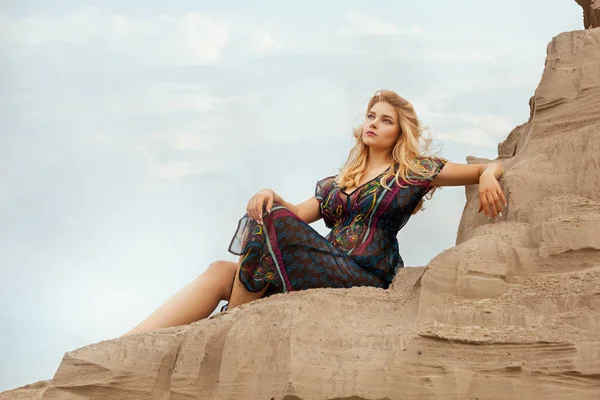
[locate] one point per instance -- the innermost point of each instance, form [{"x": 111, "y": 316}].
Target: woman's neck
[{"x": 378, "y": 160}]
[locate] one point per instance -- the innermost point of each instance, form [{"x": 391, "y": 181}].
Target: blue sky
[{"x": 132, "y": 136}]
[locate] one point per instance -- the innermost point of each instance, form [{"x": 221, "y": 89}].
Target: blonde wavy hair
[{"x": 405, "y": 154}]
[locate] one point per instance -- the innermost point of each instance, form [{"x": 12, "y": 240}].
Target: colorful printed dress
[{"x": 360, "y": 250}]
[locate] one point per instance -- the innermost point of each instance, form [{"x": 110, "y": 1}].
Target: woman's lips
[{"x": 371, "y": 133}]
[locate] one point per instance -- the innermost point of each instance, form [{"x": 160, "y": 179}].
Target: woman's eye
[
  {"x": 370, "y": 116},
  {"x": 388, "y": 121}
]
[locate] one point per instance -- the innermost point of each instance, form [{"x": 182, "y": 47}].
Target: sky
[{"x": 132, "y": 135}]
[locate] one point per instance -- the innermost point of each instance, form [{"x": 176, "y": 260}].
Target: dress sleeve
[
  {"x": 423, "y": 186},
  {"x": 324, "y": 187},
  {"x": 322, "y": 191},
  {"x": 435, "y": 164}
]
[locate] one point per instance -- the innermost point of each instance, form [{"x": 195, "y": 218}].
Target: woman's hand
[
  {"x": 254, "y": 209},
  {"x": 491, "y": 197}
]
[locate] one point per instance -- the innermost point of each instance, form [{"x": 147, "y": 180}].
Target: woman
[{"x": 383, "y": 182}]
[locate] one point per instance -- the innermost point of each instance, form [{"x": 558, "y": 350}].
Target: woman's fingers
[
  {"x": 264, "y": 204},
  {"x": 501, "y": 194},
  {"x": 498, "y": 203},
  {"x": 251, "y": 208},
  {"x": 492, "y": 206},
  {"x": 259, "y": 209},
  {"x": 491, "y": 203},
  {"x": 256, "y": 205},
  {"x": 486, "y": 207},
  {"x": 254, "y": 209},
  {"x": 486, "y": 203},
  {"x": 483, "y": 203}
]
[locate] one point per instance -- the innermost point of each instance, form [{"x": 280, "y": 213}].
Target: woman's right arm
[{"x": 308, "y": 211}]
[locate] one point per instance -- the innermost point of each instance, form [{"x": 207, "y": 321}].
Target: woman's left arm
[{"x": 491, "y": 197}]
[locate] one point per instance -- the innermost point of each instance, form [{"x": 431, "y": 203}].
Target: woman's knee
[
  {"x": 223, "y": 272},
  {"x": 243, "y": 296}
]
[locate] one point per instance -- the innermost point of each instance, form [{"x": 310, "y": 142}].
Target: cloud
[
  {"x": 181, "y": 169},
  {"x": 462, "y": 55},
  {"x": 484, "y": 130},
  {"x": 472, "y": 137},
  {"x": 187, "y": 39},
  {"x": 416, "y": 30},
  {"x": 178, "y": 154},
  {"x": 160, "y": 98},
  {"x": 361, "y": 24},
  {"x": 265, "y": 42},
  {"x": 183, "y": 141}
]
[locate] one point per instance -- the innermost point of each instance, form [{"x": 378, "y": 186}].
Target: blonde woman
[{"x": 384, "y": 181}]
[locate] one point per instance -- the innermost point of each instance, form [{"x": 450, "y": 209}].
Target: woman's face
[{"x": 381, "y": 129}]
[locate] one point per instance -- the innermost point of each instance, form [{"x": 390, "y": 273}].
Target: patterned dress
[{"x": 360, "y": 250}]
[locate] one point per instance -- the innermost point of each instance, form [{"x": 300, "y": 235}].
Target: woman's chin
[{"x": 368, "y": 139}]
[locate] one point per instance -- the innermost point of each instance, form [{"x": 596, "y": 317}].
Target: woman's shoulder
[
  {"x": 430, "y": 165},
  {"x": 431, "y": 162},
  {"x": 425, "y": 158},
  {"x": 330, "y": 178},
  {"x": 324, "y": 186}
]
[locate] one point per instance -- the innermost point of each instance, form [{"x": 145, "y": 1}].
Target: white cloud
[
  {"x": 416, "y": 30},
  {"x": 176, "y": 169},
  {"x": 183, "y": 168},
  {"x": 182, "y": 141},
  {"x": 197, "y": 38},
  {"x": 265, "y": 41},
  {"x": 474, "y": 137},
  {"x": 485, "y": 130},
  {"x": 464, "y": 55},
  {"x": 75, "y": 28},
  {"x": 494, "y": 122},
  {"x": 478, "y": 56},
  {"x": 162, "y": 98},
  {"x": 198, "y": 152},
  {"x": 361, "y": 24},
  {"x": 190, "y": 38},
  {"x": 157, "y": 102}
]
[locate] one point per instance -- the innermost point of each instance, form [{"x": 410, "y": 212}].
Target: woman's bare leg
[
  {"x": 195, "y": 301},
  {"x": 239, "y": 293}
]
